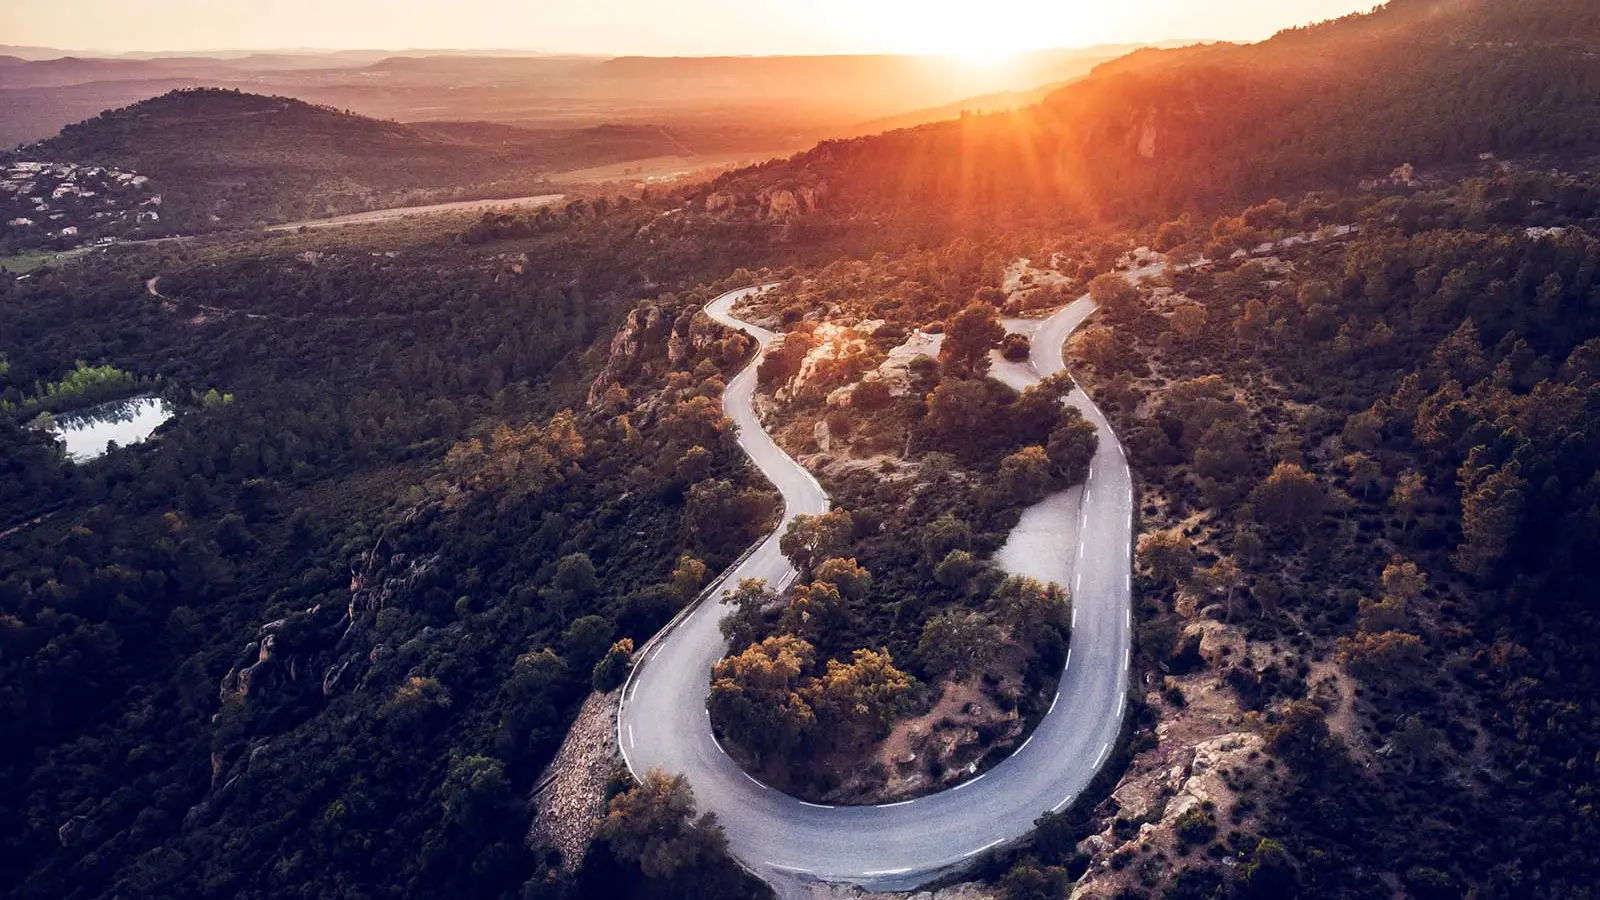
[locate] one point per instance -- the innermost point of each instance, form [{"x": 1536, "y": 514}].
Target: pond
[{"x": 86, "y": 432}]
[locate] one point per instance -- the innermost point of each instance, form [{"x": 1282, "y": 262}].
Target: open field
[
  {"x": 659, "y": 169},
  {"x": 436, "y": 209},
  {"x": 23, "y": 263}
]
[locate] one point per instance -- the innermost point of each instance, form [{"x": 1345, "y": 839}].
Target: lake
[{"x": 86, "y": 432}]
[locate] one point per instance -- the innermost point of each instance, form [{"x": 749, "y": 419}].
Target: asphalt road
[{"x": 663, "y": 721}]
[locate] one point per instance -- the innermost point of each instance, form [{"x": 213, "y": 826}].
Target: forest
[
  {"x": 385, "y": 572},
  {"x": 224, "y": 159},
  {"x": 930, "y": 466},
  {"x": 1378, "y": 453},
  {"x": 321, "y": 638}
]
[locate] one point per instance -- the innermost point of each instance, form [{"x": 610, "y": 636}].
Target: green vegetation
[
  {"x": 929, "y": 465},
  {"x": 24, "y": 263},
  {"x": 83, "y": 385},
  {"x": 204, "y": 148},
  {"x": 321, "y": 638},
  {"x": 1381, "y": 452}
]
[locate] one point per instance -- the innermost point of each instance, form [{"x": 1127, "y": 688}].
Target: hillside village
[{"x": 56, "y": 205}]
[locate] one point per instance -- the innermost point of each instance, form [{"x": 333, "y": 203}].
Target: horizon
[{"x": 759, "y": 28}]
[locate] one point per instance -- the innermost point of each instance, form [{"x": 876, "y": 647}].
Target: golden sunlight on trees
[
  {"x": 655, "y": 826},
  {"x": 970, "y": 335},
  {"x": 751, "y": 600},
  {"x": 612, "y": 669},
  {"x": 756, "y": 696},
  {"x": 1491, "y": 505},
  {"x": 1168, "y": 556},
  {"x": 1290, "y": 498},
  {"x": 851, "y": 581},
  {"x": 1118, "y": 298},
  {"x": 858, "y": 699},
  {"x": 811, "y": 540}
]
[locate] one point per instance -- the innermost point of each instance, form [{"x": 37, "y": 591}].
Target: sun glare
[{"x": 985, "y": 53}]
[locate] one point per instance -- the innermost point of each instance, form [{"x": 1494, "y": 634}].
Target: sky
[{"x": 973, "y": 28}]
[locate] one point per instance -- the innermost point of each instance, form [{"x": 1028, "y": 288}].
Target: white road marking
[
  {"x": 1121, "y": 702},
  {"x": 815, "y": 805},
  {"x": 1069, "y": 661},
  {"x": 1054, "y": 702},
  {"x": 970, "y": 783},
  {"x": 887, "y": 872},
  {"x": 755, "y": 781},
  {"x": 989, "y": 846},
  {"x": 891, "y": 805},
  {"x": 1064, "y": 801},
  {"x": 1104, "y": 752},
  {"x": 1030, "y": 737},
  {"x": 718, "y": 743},
  {"x": 630, "y": 736}
]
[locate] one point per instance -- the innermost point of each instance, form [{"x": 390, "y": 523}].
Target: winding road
[{"x": 662, "y": 720}]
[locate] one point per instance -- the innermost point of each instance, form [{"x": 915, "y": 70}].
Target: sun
[{"x": 985, "y": 53}]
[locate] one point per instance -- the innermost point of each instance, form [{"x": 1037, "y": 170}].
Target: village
[{"x": 61, "y": 205}]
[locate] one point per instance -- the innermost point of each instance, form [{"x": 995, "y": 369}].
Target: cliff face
[
  {"x": 777, "y": 203},
  {"x": 316, "y": 653},
  {"x": 656, "y": 338}
]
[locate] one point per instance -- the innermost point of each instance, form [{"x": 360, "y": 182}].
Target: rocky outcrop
[
  {"x": 655, "y": 339},
  {"x": 721, "y": 202},
  {"x": 631, "y": 347},
  {"x": 1148, "y": 132},
  {"x": 786, "y": 203},
  {"x": 70, "y": 829},
  {"x": 570, "y": 794},
  {"x": 319, "y": 650},
  {"x": 779, "y": 204},
  {"x": 1159, "y": 799}
]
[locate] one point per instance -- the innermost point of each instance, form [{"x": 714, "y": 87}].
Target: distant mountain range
[{"x": 777, "y": 103}]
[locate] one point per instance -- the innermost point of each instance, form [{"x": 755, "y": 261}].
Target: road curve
[{"x": 662, "y": 720}]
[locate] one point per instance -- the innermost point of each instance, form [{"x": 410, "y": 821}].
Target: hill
[
  {"x": 225, "y": 158},
  {"x": 792, "y": 101},
  {"x": 1425, "y": 82}
]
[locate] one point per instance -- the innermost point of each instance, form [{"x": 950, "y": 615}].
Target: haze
[{"x": 655, "y": 27}]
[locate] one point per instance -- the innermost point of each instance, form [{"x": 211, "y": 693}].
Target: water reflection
[{"x": 123, "y": 422}]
